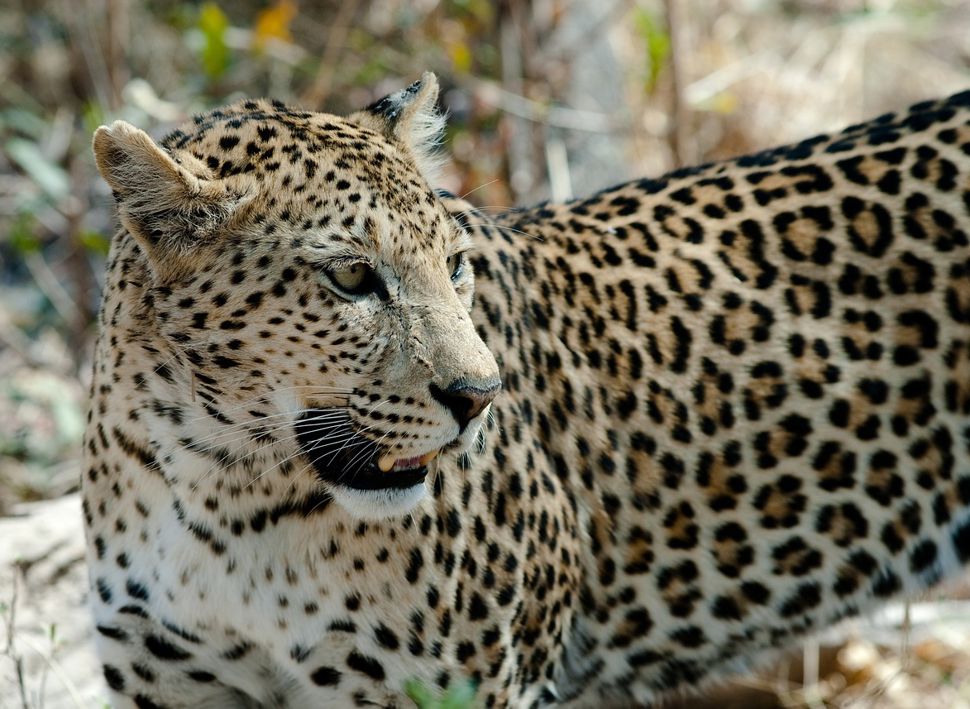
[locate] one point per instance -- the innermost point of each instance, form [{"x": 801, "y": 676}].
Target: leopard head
[{"x": 312, "y": 284}]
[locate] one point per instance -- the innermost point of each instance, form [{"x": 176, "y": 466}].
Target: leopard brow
[{"x": 329, "y": 254}]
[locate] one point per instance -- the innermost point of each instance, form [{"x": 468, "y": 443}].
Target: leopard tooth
[
  {"x": 386, "y": 462},
  {"x": 428, "y": 457}
]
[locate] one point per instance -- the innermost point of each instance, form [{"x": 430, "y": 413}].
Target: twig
[
  {"x": 116, "y": 32},
  {"x": 17, "y": 340},
  {"x": 11, "y": 651},
  {"x": 564, "y": 48},
  {"x": 314, "y": 97},
  {"x": 85, "y": 40},
  {"x": 906, "y": 635},
  {"x": 48, "y": 283},
  {"x": 811, "y": 696},
  {"x": 58, "y": 671},
  {"x": 721, "y": 79},
  {"x": 810, "y": 652},
  {"x": 280, "y": 50},
  {"x": 678, "y": 109},
  {"x": 557, "y": 168},
  {"x": 83, "y": 284},
  {"x": 537, "y": 112},
  {"x": 518, "y": 151}
]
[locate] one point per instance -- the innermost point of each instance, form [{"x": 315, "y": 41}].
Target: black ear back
[{"x": 411, "y": 118}]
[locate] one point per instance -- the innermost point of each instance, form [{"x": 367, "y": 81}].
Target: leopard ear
[
  {"x": 412, "y": 118},
  {"x": 168, "y": 208}
]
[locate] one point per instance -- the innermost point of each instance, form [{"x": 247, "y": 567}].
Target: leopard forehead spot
[
  {"x": 734, "y": 410},
  {"x": 320, "y": 178}
]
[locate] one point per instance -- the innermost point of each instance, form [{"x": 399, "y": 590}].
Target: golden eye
[
  {"x": 353, "y": 278},
  {"x": 456, "y": 265}
]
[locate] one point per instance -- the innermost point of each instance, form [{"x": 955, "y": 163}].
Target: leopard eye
[
  {"x": 456, "y": 265},
  {"x": 353, "y": 278}
]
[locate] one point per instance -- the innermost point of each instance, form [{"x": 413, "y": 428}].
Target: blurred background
[{"x": 547, "y": 99}]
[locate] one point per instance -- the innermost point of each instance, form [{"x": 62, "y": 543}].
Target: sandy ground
[{"x": 46, "y": 655}]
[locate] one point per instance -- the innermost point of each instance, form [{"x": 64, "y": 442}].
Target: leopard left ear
[
  {"x": 171, "y": 208},
  {"x": 412, "y": 118}
]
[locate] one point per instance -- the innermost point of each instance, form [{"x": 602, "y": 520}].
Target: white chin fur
[{"x": 379, "y": 504}]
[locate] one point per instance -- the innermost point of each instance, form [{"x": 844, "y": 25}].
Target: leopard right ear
[
  {"x": 412, "y": 118},
  {"x": 170, "y": 209}
]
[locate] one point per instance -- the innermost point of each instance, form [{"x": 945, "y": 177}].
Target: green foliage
[
  {"x": 481, "y": 12},
  {"x": 92, "y": 116},
  {"x": 656, "y": 41},
  {"x": 95, "y": 242},
  {"x": 23, "y": 233},
  {"x": 214, "y": 54}
]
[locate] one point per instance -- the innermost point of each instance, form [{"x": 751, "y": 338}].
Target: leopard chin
[{"x": 379, "y": 504}]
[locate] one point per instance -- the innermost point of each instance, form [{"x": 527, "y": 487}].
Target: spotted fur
[{"x": 734, "y": 410}]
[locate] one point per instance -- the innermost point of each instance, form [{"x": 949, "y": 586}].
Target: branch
[
  {"x": 678, "y": 108},
  {"x": 314, "y": 97}
]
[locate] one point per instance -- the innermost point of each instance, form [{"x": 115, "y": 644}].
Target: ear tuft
[{"x": 411, "y": 116}]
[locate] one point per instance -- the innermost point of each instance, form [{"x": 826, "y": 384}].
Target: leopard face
[{"x": 317, "y": 288}]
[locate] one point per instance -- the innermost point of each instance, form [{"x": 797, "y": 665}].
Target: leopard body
[{"x": 734, "y": 410}]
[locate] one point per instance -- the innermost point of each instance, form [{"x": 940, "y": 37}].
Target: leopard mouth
[{"x": 341, "y": 456}]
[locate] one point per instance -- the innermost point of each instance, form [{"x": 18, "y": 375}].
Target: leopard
[{"x": 351, "y": 434}]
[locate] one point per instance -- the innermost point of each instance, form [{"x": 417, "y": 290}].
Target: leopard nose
[{"x": 466, "y": 400}]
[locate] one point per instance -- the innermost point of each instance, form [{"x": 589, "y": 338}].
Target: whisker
[
  {"x": 534, "y": 237},
  {"x": 364, "y": 449},
  {"x": 323, "y": 443},
  {"x": 368, "y": 428},
  {"x": 482, "y": 186},
  {"x": 222, "y": 460},
  {"x": 262, "y": 398},
  {"x": 233, "y": 428},
  {"x": 237, "y": 427}
]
